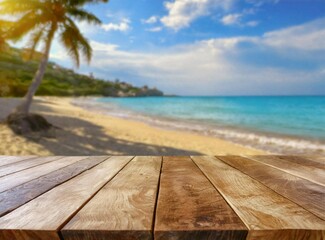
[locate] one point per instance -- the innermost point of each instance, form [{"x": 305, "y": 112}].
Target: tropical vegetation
[
  {"x": 41, "y": 21},
  {"x": 16, "y": 74}
]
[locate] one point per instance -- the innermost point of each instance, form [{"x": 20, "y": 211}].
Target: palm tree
[
  {"x": 4, "y": 27},
  {"x": 40, "y": 20}
]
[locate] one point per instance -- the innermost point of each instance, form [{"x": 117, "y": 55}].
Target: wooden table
[{"x": 199, "y": 197}]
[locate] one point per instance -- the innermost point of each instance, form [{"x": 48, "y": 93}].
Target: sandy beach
[{"x": 82, "y": 132}]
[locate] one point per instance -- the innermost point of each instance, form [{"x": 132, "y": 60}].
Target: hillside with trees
[{"x": 16, "y": 75}]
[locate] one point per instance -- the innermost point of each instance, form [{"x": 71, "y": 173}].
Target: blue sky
[{"x": 209, "y": 47}]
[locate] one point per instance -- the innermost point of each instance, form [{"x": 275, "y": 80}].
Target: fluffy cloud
[
  {"x": 206, "y": 67},
  {"x": 308, "y": 36},
  {"x": 236, "y": 19},
  {"x": 222, "y": 66},
  {"x": 123, "y": 26},
  {"x": 154, "y": 29},
  {"x": 259, "y": 3},
  {"x": 252, "y": 23},
  {"x": 231, "y": 19},
  {"x": 150, "y": 20},
  {"x": 182, "y": 12}
]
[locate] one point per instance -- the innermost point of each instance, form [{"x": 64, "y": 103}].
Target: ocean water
[{"x": 276, "y": 124}]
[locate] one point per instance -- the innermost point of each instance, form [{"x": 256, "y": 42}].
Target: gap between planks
[
  {"x": 5, "y": 160},
  {"x": 256, "y": 234},
  {"x": 27, "y": 164},
  {"x": 309, "y": 172},
  {"x": 24, "y": 176},
  {"x": 305, "y": 193},
  {"x": 126, "y": 204},
  {"x": 189, "y": 207},
  {"x": 258, "y": 206},
  {"x": 66, "y": 198},
  {"x": 29, "y": 190}
]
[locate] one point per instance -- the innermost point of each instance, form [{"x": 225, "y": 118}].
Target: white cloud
[
  {"x": 154, "y": 29},
  {"x": 123, "y": 26},
  {"x": 236, "y": 19},
  {"x": 103, "y": 47},
  {"x": 231, "y": 19},
  {"x": 252, "y": 23},
  {"x": 182, "y": 12},
  {"x": 259, "y": 3},
  {"x": 308, "y": 36},
  {"x": 88, "y": 29},
  {"x": 150, "y": 20},
  {"x": 202, "y": 68},
  {"x": 219, "y": 66}
]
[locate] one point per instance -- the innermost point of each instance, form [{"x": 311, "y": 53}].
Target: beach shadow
[
  {"x": 76, "y": 136},
  {"x": 90, "y": 139}
]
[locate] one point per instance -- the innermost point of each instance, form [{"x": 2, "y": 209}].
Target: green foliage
[
  {"x": 17, "y": 74},
  {"x": 40, "y": 20}
]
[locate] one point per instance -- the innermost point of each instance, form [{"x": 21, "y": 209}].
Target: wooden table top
[{"x": 150, "y": 197}]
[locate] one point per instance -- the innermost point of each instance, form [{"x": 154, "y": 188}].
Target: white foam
[{"x": 274, "y": 143}]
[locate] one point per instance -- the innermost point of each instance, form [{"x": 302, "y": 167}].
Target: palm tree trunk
[{"x": 24, "y": 107}]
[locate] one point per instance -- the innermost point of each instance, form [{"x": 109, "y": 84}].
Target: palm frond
[
  {"x": 83, "y": 43},
  {"x": 69, "y": 42},
  {"x": 82, "y": 15},
  {"x": 75, "y": 42},
  {"x": 83, "y": 2},
  {"x": 35, "y": 39},
  {"x": 26, "y": 24},
  {"x": 19, "y": 6},
  {"x": 4, "y": 26},
  {"x": 85, "y": 48},
  {"x": 3, "y": 43},
  {"x": 36, "y": 17}
]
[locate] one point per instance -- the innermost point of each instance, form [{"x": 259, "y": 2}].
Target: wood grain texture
[
  {"x": 43, "y": 216},
  {"x": 309, "y": 172},
  {"x": 259, "y": 207},
  {"x": 286, "y": 234},
  {"x": 4, "y": 160},
  {"x": 318, "y": 158},
  {"x": 29, "y": 235},
  {"x": 123, "y": 208},
  {"x": 309, "y": 195},
  {"x": 189, "y": 207},
  {"x": 21, "y": 194},
  {"x": 305, "y": 161},
  {"x": 18, "y": 178},
  {"x": 28, "y": 163}
]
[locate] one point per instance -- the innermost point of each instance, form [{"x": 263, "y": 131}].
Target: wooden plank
[
  {"x": 124, "y": 208},
  {"x": 28, "y": 163},
  {"x": 21, "y": 194},
  {"x": 18, "y": 178},
  {"x": 265, "y": 212},
  {"x": 46, "y": 214},
  {"x": 287, "y": 234},
  {"x": 310, "y": 173},
  {"x": 305, "y": 161},
  {"x": 318, "y": 158},
  {"x": 309, "y": 195},
  {"x": 190, "y": 208},
  {"x": 4, "y": 160}
]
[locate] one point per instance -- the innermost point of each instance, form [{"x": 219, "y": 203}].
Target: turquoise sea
[{"x": 277, "y": 124}]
